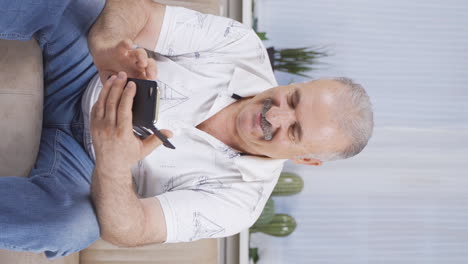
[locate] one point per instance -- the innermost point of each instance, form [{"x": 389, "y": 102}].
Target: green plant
[
  {"x": 297, "y": 61},
  {"x": 253, "y": 254},
  {"x": 288, "y": 184},
  {"x": 282, "y": 225},
  {"x": 267, "y": 213},
  {"x": 262, "y": 35}
]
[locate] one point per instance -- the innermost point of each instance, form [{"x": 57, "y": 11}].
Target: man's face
[{"x": 298, "y": 118}]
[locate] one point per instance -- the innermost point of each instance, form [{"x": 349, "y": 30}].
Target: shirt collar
[
  {"x": 254, "y": 168},
  {"x": 245, "y": 83}
]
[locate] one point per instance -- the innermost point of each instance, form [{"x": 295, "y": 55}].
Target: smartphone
[
  {"x": 145, "y": 107},
  {"x": 145, "y": 110}
]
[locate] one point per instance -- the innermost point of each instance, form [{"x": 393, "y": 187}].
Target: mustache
[{"x": 265, "y": 125}]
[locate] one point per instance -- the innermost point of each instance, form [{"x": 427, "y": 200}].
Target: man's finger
[
  {"x": 124, "y": 115},
  {"x": 152, "y": 142},
  {"x": 105, "y": 75},
  {"x": 151, "y": 70},
  {"x": 113, "y": 99},
  {"x": 141, "y": 58},
  {"x": 124, "y": 46},
  {"x": 98, "y": 110}
]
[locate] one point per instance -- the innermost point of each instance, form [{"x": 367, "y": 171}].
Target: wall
[{"x": 404, "y": 199}]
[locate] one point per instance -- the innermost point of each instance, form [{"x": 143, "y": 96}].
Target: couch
[{"x": 21, "y": 98}]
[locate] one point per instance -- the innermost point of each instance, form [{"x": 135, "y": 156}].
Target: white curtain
[{"x": 404, "y": 199}]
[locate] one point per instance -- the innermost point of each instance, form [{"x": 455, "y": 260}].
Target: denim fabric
[{"x": 51, "y": 210}]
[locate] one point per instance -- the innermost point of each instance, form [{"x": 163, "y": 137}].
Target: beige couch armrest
[
  {"x": 8, "y": 257},
  {"x": 21, "y": 96}
]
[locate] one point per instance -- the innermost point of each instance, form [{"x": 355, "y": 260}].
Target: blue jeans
[{"x": 51, "y": 210}]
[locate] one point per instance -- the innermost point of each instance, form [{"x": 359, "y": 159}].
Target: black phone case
[
  {"x": 144, "y": 102},
  {"x": 144, "y": 110}
]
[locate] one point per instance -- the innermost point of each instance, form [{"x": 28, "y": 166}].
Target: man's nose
[{"x": 278, "y": 116}]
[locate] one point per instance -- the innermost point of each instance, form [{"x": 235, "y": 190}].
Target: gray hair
[{"x": 354, "y": 118}]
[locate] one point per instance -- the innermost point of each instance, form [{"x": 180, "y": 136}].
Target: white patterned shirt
[{"x": 206, "y": 189}]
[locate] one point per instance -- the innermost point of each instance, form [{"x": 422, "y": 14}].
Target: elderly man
[{"x": 233, "y": 127}]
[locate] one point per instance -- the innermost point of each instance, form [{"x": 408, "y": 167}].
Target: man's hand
[
  {"x": 112, "y": 36},
  {"x": 110, "y": 60},
  {"x": 117, "y": 148},
  {"x": 124, "y": 219}
]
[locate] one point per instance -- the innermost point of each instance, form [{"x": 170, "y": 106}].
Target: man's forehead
[{"x": 318, "y": 122}]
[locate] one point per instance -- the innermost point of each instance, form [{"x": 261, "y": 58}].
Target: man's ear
[{"x": 307, "y": 161}]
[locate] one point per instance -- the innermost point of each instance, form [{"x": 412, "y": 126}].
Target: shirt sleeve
[
  {"x": 192, "y": 215},
  {"x": 187, "y": 31}
]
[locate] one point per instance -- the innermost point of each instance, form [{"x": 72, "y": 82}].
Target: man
[{"x": 232, "y": 130}]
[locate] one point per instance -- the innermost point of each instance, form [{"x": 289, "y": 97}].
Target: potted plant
[
  {"x": 273, "y": 224},
  {"x": 297, "y": 61}
]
